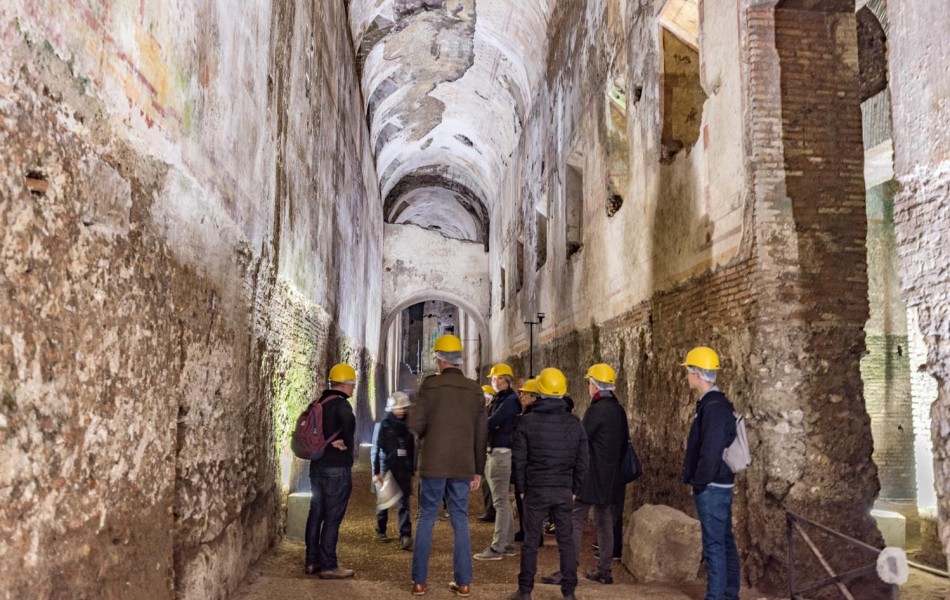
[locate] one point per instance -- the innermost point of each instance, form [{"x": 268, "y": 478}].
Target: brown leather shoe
[
  {"x": 462, "y": 591},
  {"x": 418, "y": 589},
  {"x": 337, "y": 573}
]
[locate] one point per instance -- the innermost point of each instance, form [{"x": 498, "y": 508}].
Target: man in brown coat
[{"x": 449, "y": 420}]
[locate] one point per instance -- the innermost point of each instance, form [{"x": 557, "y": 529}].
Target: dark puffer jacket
[
  {"x": 607, "y": 433},
  {"x": 549, "y": 449}
]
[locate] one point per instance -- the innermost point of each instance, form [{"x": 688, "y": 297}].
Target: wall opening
[
  {"x": 574, "y": 209},
  {"x": 519, "y": 266},
  {"x": 617, "y": 146},
  {"x": 503, "y": 289},
  {"x": 540, "y": 239},
  {"x": 683, "y": 94},
  {"x": 412, "y": 334}
]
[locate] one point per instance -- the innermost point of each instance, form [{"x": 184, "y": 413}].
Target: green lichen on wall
[{"x": 292, "y": 388}]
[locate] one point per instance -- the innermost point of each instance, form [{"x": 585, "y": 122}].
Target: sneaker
[
  {"x": 552, "y": 579},
  {"x": 405, "y": 543},
  {"x": 599, "y": 577},
  {"x": 443, "y": 515},
  {"x": 510, "y": 551},
  {"x": 462, "y": 591},
  {"x": 336, "y": 573},
  {"x": 549, "y": 529},
  {"x": 489, "y": 554},
  {"x": 382, "y": 538}
]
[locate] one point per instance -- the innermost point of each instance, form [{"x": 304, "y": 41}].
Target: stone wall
[
  {"x": 921, "y": 109},
  {"x": 190, "y": 233},
  {"x": 752, "y": 240}
]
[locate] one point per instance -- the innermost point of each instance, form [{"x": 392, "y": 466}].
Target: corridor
[{"x": 206, "y": 205}]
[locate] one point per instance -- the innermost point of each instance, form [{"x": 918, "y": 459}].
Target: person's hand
[
  {"x": 573, "y": 497},
  {"x": 339, "y": 444},
  {"x": 378, "y": 478},
  {"x": 476, "y": 481},
  {"x": 522, "y": 496}
]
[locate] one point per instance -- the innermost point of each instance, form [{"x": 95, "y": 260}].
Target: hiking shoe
[
  {"x": 462, "y": 591},
  {"x": 552, "y": 579},
  {"x": 405, "y": 543},
  {"x": 382, "y": 538},
  {"x": 488, "y": 554},
  {"x": 599, "y": 577},
  {"x": 510, "y": 551}
]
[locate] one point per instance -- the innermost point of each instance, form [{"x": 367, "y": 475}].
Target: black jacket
[
  {"x": 502, "y": 413},
  {"x": 393, "y": 450},
  {"x": 337, "y": 416},
  {"x": 607, "y": 433},
  {"x": 549, "y": 449},
  {"x": 713, "y": 430}
]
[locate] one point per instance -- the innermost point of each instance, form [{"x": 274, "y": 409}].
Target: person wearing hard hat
[
  {"x": 488, "y": 516},
  {"x": 449, "y": 421},
  {"x": 550, "y": 465},
  {"x": 527, "y": 393},
  {"x": 502, "y": 413},
  {"x": 331, "y": 478},
  {"x": 712, "y": 431},
  {"x": 393, "y": 451},
  {"x": 607, "y": 433}
]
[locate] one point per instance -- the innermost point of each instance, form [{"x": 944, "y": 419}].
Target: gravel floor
[{"x": 382, "y": 570}]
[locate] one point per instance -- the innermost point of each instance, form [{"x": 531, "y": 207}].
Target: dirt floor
[{"x": 382, "y": 570}]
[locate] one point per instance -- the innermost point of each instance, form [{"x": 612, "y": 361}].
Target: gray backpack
[{"x": 737, "y": 456}]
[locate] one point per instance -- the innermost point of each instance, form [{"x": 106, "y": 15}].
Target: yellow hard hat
[
  {"x": 602, "y": 372},
  {"x": 447, "y": 343},
  {"x": 501, "y": 369},
  {"x": 703, "y": 358},
  {"x": 342, "y": 373},
  {"x": 530, "y": 386},
  {"x": 551, "y": 382},
  {"x": 488, "y": 390}
]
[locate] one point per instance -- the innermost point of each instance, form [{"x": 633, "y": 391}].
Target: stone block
[
  {"x": 893, "y": 526},
  {"x": 663, "y": 544},
  {"x": 298, "y": 505}
]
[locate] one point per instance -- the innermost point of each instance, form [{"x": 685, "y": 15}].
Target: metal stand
[{"x": 531, "y": 324}]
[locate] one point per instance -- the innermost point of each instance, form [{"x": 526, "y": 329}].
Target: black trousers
[
  {"x": 405, "y": 523},
  {"x": 538, "y": 503}
]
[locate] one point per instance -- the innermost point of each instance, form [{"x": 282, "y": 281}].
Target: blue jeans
[
  {"x": 714, "y": 507},
  {"x": 431, "y": 491},
  {"x": 330, "y": 489}
]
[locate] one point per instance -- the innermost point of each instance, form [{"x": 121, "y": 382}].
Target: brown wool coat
[{"x": 450, "y": 421}]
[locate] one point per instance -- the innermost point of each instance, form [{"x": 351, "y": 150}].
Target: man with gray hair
[
  {"x": 712, "y": 431},
  {"x": 449, "y": 420}
]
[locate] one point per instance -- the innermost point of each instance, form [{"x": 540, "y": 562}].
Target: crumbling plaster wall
[
  {"x": 919, "y": 60},
  {"x": 709, "y": 247},
  {"x": 191, "y": 233}
]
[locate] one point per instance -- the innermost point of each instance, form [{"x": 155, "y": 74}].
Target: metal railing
[{"x": 794, "y": 524}]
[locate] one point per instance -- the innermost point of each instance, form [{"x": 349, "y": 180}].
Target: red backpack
[{"x": 308, "y": 441}]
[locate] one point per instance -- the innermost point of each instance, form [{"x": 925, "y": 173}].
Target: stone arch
[{"x": 481, "y": 321}]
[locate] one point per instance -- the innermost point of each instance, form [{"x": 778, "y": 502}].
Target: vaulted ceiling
[{"x": 447, "y": 84}]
